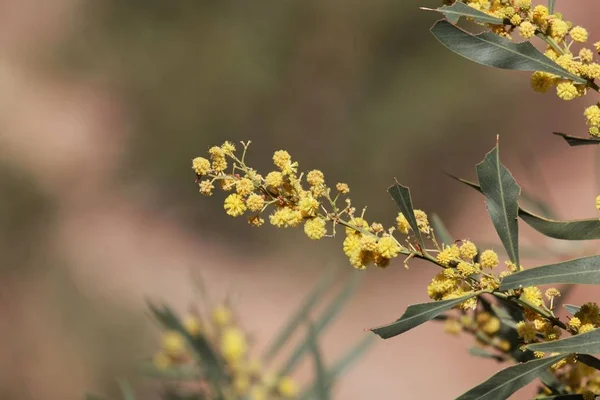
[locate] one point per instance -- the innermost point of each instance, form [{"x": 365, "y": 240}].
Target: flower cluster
[
  {"x": 289, "y": 198},
  {"x": 246, "y": 377},
  {"x": 561, "y": 37}
]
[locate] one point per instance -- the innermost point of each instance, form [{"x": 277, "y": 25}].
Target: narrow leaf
[
  {"x": 417, "y": 314},
  {"x": 401, "y": 195},
  {"x": 126, "y": 390},
  {"x": 502, "y": 193},
  {"x": 582, "y": 229},
  {"x": 321, "y": 288},
  {"x": 585, "y": 270},
  {"x": 571, "y": 309},
  {"x": 586, "y": 343},
  {"x": 551, "y": 6},
  {"x": 483, "y": 353},
  {"x": 578, "y": 141},
  {"x": 458, "y": 9},
  {"x": 589, "y": 360},
  {"x": 562, "y": 397},
  {"x": 321, "y": 387},
  {"x": 440, "y": 228},
  {"x": 494, "y": 51},
  {"x": 326, "y": 318},
  {"x": 509, "y": 380}
]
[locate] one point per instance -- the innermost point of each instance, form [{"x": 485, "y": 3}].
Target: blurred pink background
[{"x": 104, "y": 104}]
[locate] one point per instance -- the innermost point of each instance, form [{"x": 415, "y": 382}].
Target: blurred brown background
[{"x": 104, "y": 104}]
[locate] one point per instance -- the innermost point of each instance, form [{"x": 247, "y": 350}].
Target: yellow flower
[
  {"x": 308, "y": 205},
  {"x": 489, "y": 259},
  {"x": 586, "y": 328},
  {"x": 594, "y": 131},
  {"x": 352, "y": 244},
  {"x": 539, "y": 354},
  {"x": 228, "y": 148},
  {"x": 173, "y": 343},
  {"x": 551, "y": 293},
  {"x": 368, "y": 243},
  {"x": 282, "y": 158},
  {"x": 468, "y": 251},
  {"x": 192, "y": 325},
  {"x": 597, "y": 47},
  {"x": 221, "y": 315},
  {"x": 533, "y": 295},
  {"x": 388, "y": 247},
  {"x": 558, "y": 29},
  {"x": 274, "y": 179},
  {"x": 575, "y": 323},
  {"x": 233, "y": 344},
  {"x": 315, "y": 228},
  {"x": 315, "y": 178},
  {"x": 452, "y": 326},
  {"x": 492, "y": 326},
  {"x": 489, "y": 283},
  {"x": 256, "y": 221},
  {"x": 227, "y": 183},
  {"x": 542, "y": 81},
  {"x": 448, "y": 254},
  {"x": 201, "y": 166},
  {"x": 216, "y": 152},
  {"x": 523, "y": 5},
  {"x": 598, "y": 202},
  {"x": 516, "y": 20},
  {"x": 241, "y": 384},
  {"x": 402, "y": 223},
  {"x": 527, "y": 29},
  {"x": 234, "y": 205},
  {"x": 287, "y": 387},
  {"x": 359, "y": 223},
  {"x": 244, "y": 187},
  {"x": 552, "y": 333},
  {"x": 219, "y": 164},
  {"x": 440, "y": 286},
  {"x": 592, "y": 114},
  {"x": 467, "y": 269},
  {"x": 255, "y": 202},
  {"x": 422, "y": 221},
  {"x": 526, "y": 331},
  {"x": 579, "y": 34},
  {"x": 161, "y": 360},
  {"x": 342, "y": 188},
  {"x": 206, "y": 187},
  {"x": 586, "y": 55},
  {"x": 566, "y": 90}
]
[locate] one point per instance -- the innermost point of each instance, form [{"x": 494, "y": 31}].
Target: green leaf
[
  {"x": 551, "y": 6},
  {"x": 483, "y": 353},
  {"x": 417, "y": 314},
  {"x": 585, "y": 343},
  {"x": 562, "y": 397},
  {"x": 321, "y": 387},
  {"x": 585, "y": 270},
  {"x": 582, "y": 229},
  {"x": 458, "y": 9},
  {"x": 509, "y": 380},
  {"x": 571, "y": 309},
  {"x": 319, "y": 290},
  {"x": 401, "y": 195},
  {"x": 589, "y": 360},
  {"x": 578, "y": 141},
  {"x": 326, "y": 318},
  {"x": 502, "y": 193},
  {"x": 439, "y": 228},
  {"x": 126, "y": 390},
  {"x": 492, "y": 50}
]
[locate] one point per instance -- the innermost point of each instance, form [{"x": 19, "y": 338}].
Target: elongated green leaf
[
  {"x": 458, "y": 9},
  {"x": 342, "y": 364},
  {"x": 494, "y": 51},
  {"x": 326, "y": 318},
  {"x": 321, "y": 387},
  {"x": 585, "y": 343},
  {"x": 321, "y": 288},
  {"x": 571, "y": 309},
  {"x": 417, "y": 314},
  {"x": 582, "y": 229},
  {"x": 578, "y": 141},
  {"x": 440, "y": 228},
  {"x": 126, "y": 390},
  {"x": 589, "y": 360},
  {"x": 401, "y": 195},
  {"x": 502, "y": 193},
  {"x": 562, "y": 397},
  {"x": 551, "y": 6},
  {"x": 585, "y": 270},
  {"x": 509, "y": 380},
  {"x": 483, "y": 353}
]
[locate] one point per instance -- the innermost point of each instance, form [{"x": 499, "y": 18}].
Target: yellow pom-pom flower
[
  {"x": 388, "y": 247},
  {"x": 526, "y": 331},
  {"x": 558, "y": 29},
  {"x": 282, "y": 159},
  {"x": 234, "y": 205},
  {"x": 255, "y": 202},
  {"x": 206, "y": 187},
  {"x": 222, "y": 315},
  {"x": 161, "y": 360},
  {"x": 575, "y": 323},
  {"x": 315, "y": 178},
  {"x": 244, "y": 187},
  {"x": 315, "y": 228},
  {"x": 173, "y": 343},
  {"x": 201, "y": 166},
  {"x": 192, "y": 325},
  {"x": 402, "y": 223},
  {"x": 579, "y": 34},
  {"x": 542, "y": 81},
  {"x": 566, "y": 90},
  {"x": 592, "y": 114},
  {"x": 533, "y": 295},
  {"x": 527, "y": 29},
  {"x": 468, "y": 250},
  {"x": 586, "y": 328},
  {"x": 287, "y": 387},
  {"x": 342, "y": 188},
  {"x": 489, "y": 259},
  {"x": 308, "y": 205},
  {"x": 233, "y": 344},
  {"x": 422, "y": 221}
]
